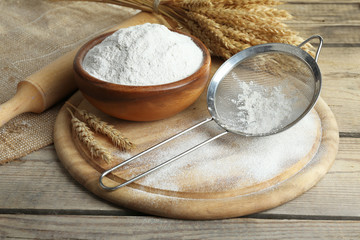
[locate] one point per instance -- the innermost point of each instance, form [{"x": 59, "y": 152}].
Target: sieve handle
[
  {"x": 161, "y": 165},
  {"x": 320, "y": 44}
]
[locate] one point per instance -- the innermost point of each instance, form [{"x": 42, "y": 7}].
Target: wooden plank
[
  {"x": 339, "y": 24},
  {"x": 324, "y": 13},
  {"x": 38, "y": 183},
  {"x": 323, "y": 1},
  {"x": 334, "y": 36},
  {"x": 102, "y": 227},
  {"x": 337, "y": 193},
  {"x": 341, "y": 85}
]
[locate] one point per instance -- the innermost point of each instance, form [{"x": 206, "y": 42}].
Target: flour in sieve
[
  {"x": 263, "y": 109},
  {"x": 148, "y": 54}
]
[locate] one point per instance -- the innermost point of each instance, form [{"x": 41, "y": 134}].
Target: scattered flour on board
[
  {"x": 148, "y": 54},
  {"x": 230, "y": 162}
]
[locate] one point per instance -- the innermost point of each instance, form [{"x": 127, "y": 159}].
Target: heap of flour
[
  {"x": 260, "y": 109},
  {"x": 148, "y": 54}
]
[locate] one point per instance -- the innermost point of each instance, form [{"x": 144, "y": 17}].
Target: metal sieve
[{"x": 260, "y": 91}]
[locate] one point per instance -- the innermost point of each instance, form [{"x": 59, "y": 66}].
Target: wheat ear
[
  {"x": 85, "y": 135},
  {"x": 225, "y": 26},
  {"x": 99, "y": 126}
]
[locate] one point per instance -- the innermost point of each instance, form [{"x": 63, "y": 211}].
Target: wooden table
[{"x": 40, "y": 200}]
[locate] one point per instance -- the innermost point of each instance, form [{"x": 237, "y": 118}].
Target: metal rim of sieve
[
  {"x": 234, "y": 61},
  {"x": 214, "y": 83}
]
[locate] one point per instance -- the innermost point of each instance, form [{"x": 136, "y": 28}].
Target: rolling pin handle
[{"x": 26, "y": 99}]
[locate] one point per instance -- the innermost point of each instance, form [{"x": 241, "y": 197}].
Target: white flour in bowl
[{"x": 148, "y": 54}]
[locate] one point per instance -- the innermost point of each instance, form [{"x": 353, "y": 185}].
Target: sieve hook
[
  {"x": 162, "y": 164},
  {"x": 320, "y": 44}
]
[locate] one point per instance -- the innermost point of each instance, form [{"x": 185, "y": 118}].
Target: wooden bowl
[{"x": 141, "y": 103}]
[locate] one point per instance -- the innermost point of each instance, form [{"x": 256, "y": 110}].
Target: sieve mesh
[{"x": 264, "y": 93}]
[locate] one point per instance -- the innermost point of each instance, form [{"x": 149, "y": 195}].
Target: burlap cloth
[{"x": 32, "y": 34}]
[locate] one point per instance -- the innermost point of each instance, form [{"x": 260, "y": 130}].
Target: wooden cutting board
[
  {"x": 233, "y": 176},
  {"x": 214, "y": 183}
]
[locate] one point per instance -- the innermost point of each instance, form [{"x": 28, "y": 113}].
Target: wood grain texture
[
  {"x": 60, "y": 193},
  {"x": 103, "y": 227},
  {"x": 333, "y": 2},
  {"x": 323, "y": 13},
  {"x": 336, "y": 184},
  {"x": 341, "y": 83},
  {"x": 337, "y": 23}
]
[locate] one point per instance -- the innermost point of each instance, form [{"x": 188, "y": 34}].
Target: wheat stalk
[
  {"x": 104, "y": 128},
  {"x": 85, "y": 135},
  {"x": 108, "y": 130},
  {"x": 225, "y": 26}
]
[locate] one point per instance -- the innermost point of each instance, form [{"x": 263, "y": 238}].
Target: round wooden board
[{"x": 195, "y": 200}]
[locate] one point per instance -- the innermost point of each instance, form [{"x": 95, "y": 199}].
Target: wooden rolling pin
[{"x": 54, "y": 82}]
